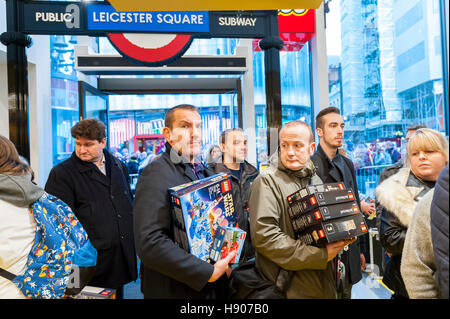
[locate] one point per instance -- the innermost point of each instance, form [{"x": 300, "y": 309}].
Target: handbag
[{"x": 246, "y": 282}]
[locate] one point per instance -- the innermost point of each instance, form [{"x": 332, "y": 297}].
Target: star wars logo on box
[
  {"x": 318, "y": 199},
  {"x": 334, "y": 230},
  {"x": 324, "y": 213},
  {"x": 198, "y": 209}
]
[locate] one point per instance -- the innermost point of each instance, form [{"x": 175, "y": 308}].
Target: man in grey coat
[{"x": 271, "y": 229}]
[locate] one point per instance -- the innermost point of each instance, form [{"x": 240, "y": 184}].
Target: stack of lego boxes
[{"x": 325, "y": 213}]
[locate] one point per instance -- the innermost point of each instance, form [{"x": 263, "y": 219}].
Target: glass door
[{"x": 93, "y": 104}]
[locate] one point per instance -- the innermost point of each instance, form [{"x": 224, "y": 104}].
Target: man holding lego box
[
  {"x": 167, "y": 270},
  {"x": 310, "y": 270}
]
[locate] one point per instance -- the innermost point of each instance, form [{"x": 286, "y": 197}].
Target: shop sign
[
  {"x": 238, "y": 24},
  {"x": 106, "y": 18},
  {"x": 52, "y": 18}
]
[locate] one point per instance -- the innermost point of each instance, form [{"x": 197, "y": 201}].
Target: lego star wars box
[
  {"x": 198, "y": 209},
  {"x": 226, "y": 240},
  {"x": 318, "y": 199},
  {"x": 324, "y": 213},
  {"x": 90, "y": 292},
  {"x": 311, "y": 189},
  {"x": 334, "y": 230}
]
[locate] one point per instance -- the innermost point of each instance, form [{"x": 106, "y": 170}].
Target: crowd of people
[{"x": 411, "y": 204}]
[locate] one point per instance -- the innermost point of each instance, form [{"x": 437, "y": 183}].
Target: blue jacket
[{"x": 439, "y": 231}]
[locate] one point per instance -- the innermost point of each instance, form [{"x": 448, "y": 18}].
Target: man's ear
[
  {"x": 222, "y": 148},
  {"x": 312, "y": 147},
  {"x": 103, "y": 142},
  {"x": 319, "y": 132},
  {"x": 167, "y": 132}
]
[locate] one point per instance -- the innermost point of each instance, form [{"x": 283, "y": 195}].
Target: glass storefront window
[
  {"x": 259, "y": 89},
  {"x": 64, "y": 95},
  {"x": 135, "y": 119},
  {"x": 296, "y": 84},
  {"x": 385, "y": 71}
]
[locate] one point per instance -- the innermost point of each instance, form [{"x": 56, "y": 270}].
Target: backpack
[{"x": 62, "y": 260}]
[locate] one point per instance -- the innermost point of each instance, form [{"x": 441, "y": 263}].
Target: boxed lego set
[
  {"x": 317, "y": 199},
  {"x": 199, "y": 208},
  {"x": 227, "y": 239},
  {"x": 326, "y": 213},
  {"x": 333, "y": 230}
]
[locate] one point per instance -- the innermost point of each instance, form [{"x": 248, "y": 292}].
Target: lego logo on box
[
  {"x": 225, "y": 186},
  {"x": 227, "y": 240}
]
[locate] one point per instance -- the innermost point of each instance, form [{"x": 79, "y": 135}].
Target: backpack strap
[{"x": 6, "y": 274}]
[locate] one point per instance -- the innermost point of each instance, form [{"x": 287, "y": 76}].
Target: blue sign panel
[{"x": 105, "y": 17}]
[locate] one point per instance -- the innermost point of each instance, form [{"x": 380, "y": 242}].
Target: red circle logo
[{"x": 151, "y": 49}]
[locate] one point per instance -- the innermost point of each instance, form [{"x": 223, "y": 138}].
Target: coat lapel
[
  {"x": 189, "y": 173},
  {"x": 90, "y": 170}
]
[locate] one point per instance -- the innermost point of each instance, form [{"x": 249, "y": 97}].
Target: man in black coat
[
  {"x": 233, "y": 145},
  {"x": 168, "y": 271},
  {"x": 96, "y": 186},
  {"x": 439, "y": 231},
  {"x": 332, "y": 167}
]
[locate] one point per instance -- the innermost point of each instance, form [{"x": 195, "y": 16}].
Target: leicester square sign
[{"x": 152, "y": 38}]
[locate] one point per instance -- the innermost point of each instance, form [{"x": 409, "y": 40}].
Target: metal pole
[
  {"x": 17, "y": 70},
  {"x": 272, "y": 44}
]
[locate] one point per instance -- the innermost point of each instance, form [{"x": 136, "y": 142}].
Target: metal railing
[{"x": 367, "y": 179}]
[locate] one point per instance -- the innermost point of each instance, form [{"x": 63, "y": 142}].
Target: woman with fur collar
[{"x": 427, "y": 155}]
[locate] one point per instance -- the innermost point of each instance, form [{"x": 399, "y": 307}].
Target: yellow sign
[{"x": 202, "y": 5}]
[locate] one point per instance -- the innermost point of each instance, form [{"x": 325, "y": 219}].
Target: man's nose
[{"x": 291, "y": 150}]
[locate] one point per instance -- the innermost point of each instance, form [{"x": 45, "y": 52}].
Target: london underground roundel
[{"x": 151, "y": 49}]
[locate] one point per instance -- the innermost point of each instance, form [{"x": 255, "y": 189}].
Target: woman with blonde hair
[
  {"x": 399, "y": 195},
  {"x": 17, "y": 224}
]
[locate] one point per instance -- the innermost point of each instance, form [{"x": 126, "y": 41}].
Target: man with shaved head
[{"x": 306, "y": 269}]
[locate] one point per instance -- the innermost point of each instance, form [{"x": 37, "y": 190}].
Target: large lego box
[
  {"x": 324, "y": 213},
  {"x": 311, "y": 189},
  {"x": 334, "y": 230},
  {"x": 90, "y": 292},
  {"x": 227, "y": 240},
  {"x": 318, "y": 199},
  {"x": 199, "y": 208}
]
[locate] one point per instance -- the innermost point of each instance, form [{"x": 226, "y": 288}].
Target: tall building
[
  {"x": 419, "y": 62},
  {"x": 391, "y": 67}
]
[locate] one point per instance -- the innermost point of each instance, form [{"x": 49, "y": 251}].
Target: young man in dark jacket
[
  {"x": 332, "y": 167},
  {"x": 233, "y": 145},
  {"x": 168, "y": 271},
  {"x": 96, "y": 186}
]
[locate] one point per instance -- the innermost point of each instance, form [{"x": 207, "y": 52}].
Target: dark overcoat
[
  {"x": 103, "y": 204},
  {"x": 350, "y": 258},
  {"x": 167, "y": 270}
]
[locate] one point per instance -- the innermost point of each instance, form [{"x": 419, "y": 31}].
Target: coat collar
[
  {"x": 397, "y": 197},
  {"x": 248, "y": 170},
  {"x": 323, "y": 164},
  {"x": 180, "y": 162},
  {"x": 91, "y": 169}
]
